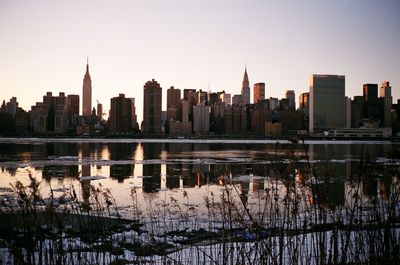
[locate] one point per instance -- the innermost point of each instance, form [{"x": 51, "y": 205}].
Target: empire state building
[{"x": 87, "y": 93}]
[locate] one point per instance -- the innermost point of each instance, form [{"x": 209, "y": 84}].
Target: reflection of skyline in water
[{"x": 194, "y": 165}]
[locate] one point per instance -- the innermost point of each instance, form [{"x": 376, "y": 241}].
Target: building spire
[
  {"x": 245, "y": 77},
  {"x": 87, "y": 63}
]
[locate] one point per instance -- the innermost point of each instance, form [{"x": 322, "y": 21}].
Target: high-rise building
[
  {"x": 348, "y": 112},
  {"x": 152, "y": 120},
  {"x": 327, "y": 102},
  {"x": 173, "y": 103},
  {"x": 357, "y": 106},
  {"x": 120, "y": 119},
  {"x": 371, "y": 103},
  {"x": 87, "y": 93},
  {"x": 259, "y": 92},
  {"x": 201, "y": 119},
  {"x": 237, "y": 100},
  {"x": 273, "y": 103},
  {"x": 291, "y": 97},
  {"x": 225, "y": 98},
  {"x": 201, "y": 97},
  {"x": 12, "y": 106},
  {"x": 99, "y": 113},
  {"x": 386, "y": 94},
  {"x": 133, "y": 115},
  {"x": 235, "y": 119},
  {"x": 51, "y": 115},
  {"x": 370, "y": 92},
  {"x": 245, "y": 88},
  {"x": 304, "y": 100},
  {"x": 73, "y": 110}
]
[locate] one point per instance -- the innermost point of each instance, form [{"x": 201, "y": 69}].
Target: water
[
  {"x": 160, "y": 169},
  {"x": 276, "y": 184}
]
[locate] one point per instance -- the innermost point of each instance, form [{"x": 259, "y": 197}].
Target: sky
[{"x": 194, "y": 44}]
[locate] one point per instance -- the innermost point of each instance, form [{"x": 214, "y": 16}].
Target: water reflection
[{"x": 158, "y": 166}]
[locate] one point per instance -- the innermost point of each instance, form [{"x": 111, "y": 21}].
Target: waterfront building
[
  {"x": 304, "y": 102},
  {"x": 173, "y": 103},
  {"x": 260, "y": 114},
  {"x": 152, "y": 122},
  {"x": 357, "y": 106},
  {"x": 259, "y": 92},
  {"x": 291, "y": 98},
  {"x": 348, "y": 112},
  {"x": 87, "y": 93},
  {"x": 51, "y": 115},
  {"x": 371, "y": 103},
  {"x": 12, "y": 106},
  {"x": 235, "y": 119},
  {"x": 99, "y": 112},
  {"x": 201, "y": 119},
  {"x": 182, "y": 126},
  {"x": 73, "y": 110},
  {"x": 245, "y": 92},
  {"x": 327, "y": 102},
  {"x": 120, "y": 120},
  {"x": 386, "y": 94}
]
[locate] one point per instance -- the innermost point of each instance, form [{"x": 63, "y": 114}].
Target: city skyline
[{"x": 45, "y": 46}]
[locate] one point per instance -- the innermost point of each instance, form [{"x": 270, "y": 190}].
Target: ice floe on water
[
  {"x": 247, "y": 178},
  {"x": 83, "y": 178}
]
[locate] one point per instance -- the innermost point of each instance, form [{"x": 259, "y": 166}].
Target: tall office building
[
  {"x": 371, "y": 103},
  {"x": 273, "y": 103},
  {"x": 173, "y": 103},
  {"x": 120, "y": 119},
  {"x": 87, "y": 93},
  {"x": 73, "y": 110},
  {"x": 245, "y": 88},
  {"x": 99, "y": 112},
  {"x": 291, "y": 97},
  {"x": 152, "y": 107},
  {"x": 201, "y": 119},
  {"x": 51, "y": 115},
  {"x": 225, "y": 98},
  {"x": 259, "y": 92},
  {"x": 386, "y": 94},
  {"x": 304, "y": 100},
  {"x": 12, "y": 106},
  {"x": 327, "y": 102}
]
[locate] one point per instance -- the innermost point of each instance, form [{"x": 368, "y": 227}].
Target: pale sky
[{"x": 189, "y": 44}]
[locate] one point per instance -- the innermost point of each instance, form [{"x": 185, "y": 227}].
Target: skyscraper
[
  {"x": 99, "y": 110},
  {"x": 291, "y": 97},
  {"x": 386, "y": 94},
  {"x": 73, "y": 110},
  {"x": 259, "y": 92},
  {"x": 51, "y": 115},
  {"x": 173, "y": 103},
  {"x": 120, "y": 119},
  {"x": 327, "y": 102},
  {"x": 245, "y": 88},
  {"x": 371, "y": 105},
  {"x": 87, "y": 93},
  {"x": 152, "y": 107},
  {"x": 304, "y": 100}
]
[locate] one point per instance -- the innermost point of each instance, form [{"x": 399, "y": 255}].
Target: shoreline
[{"x": 199, "y": 140}]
